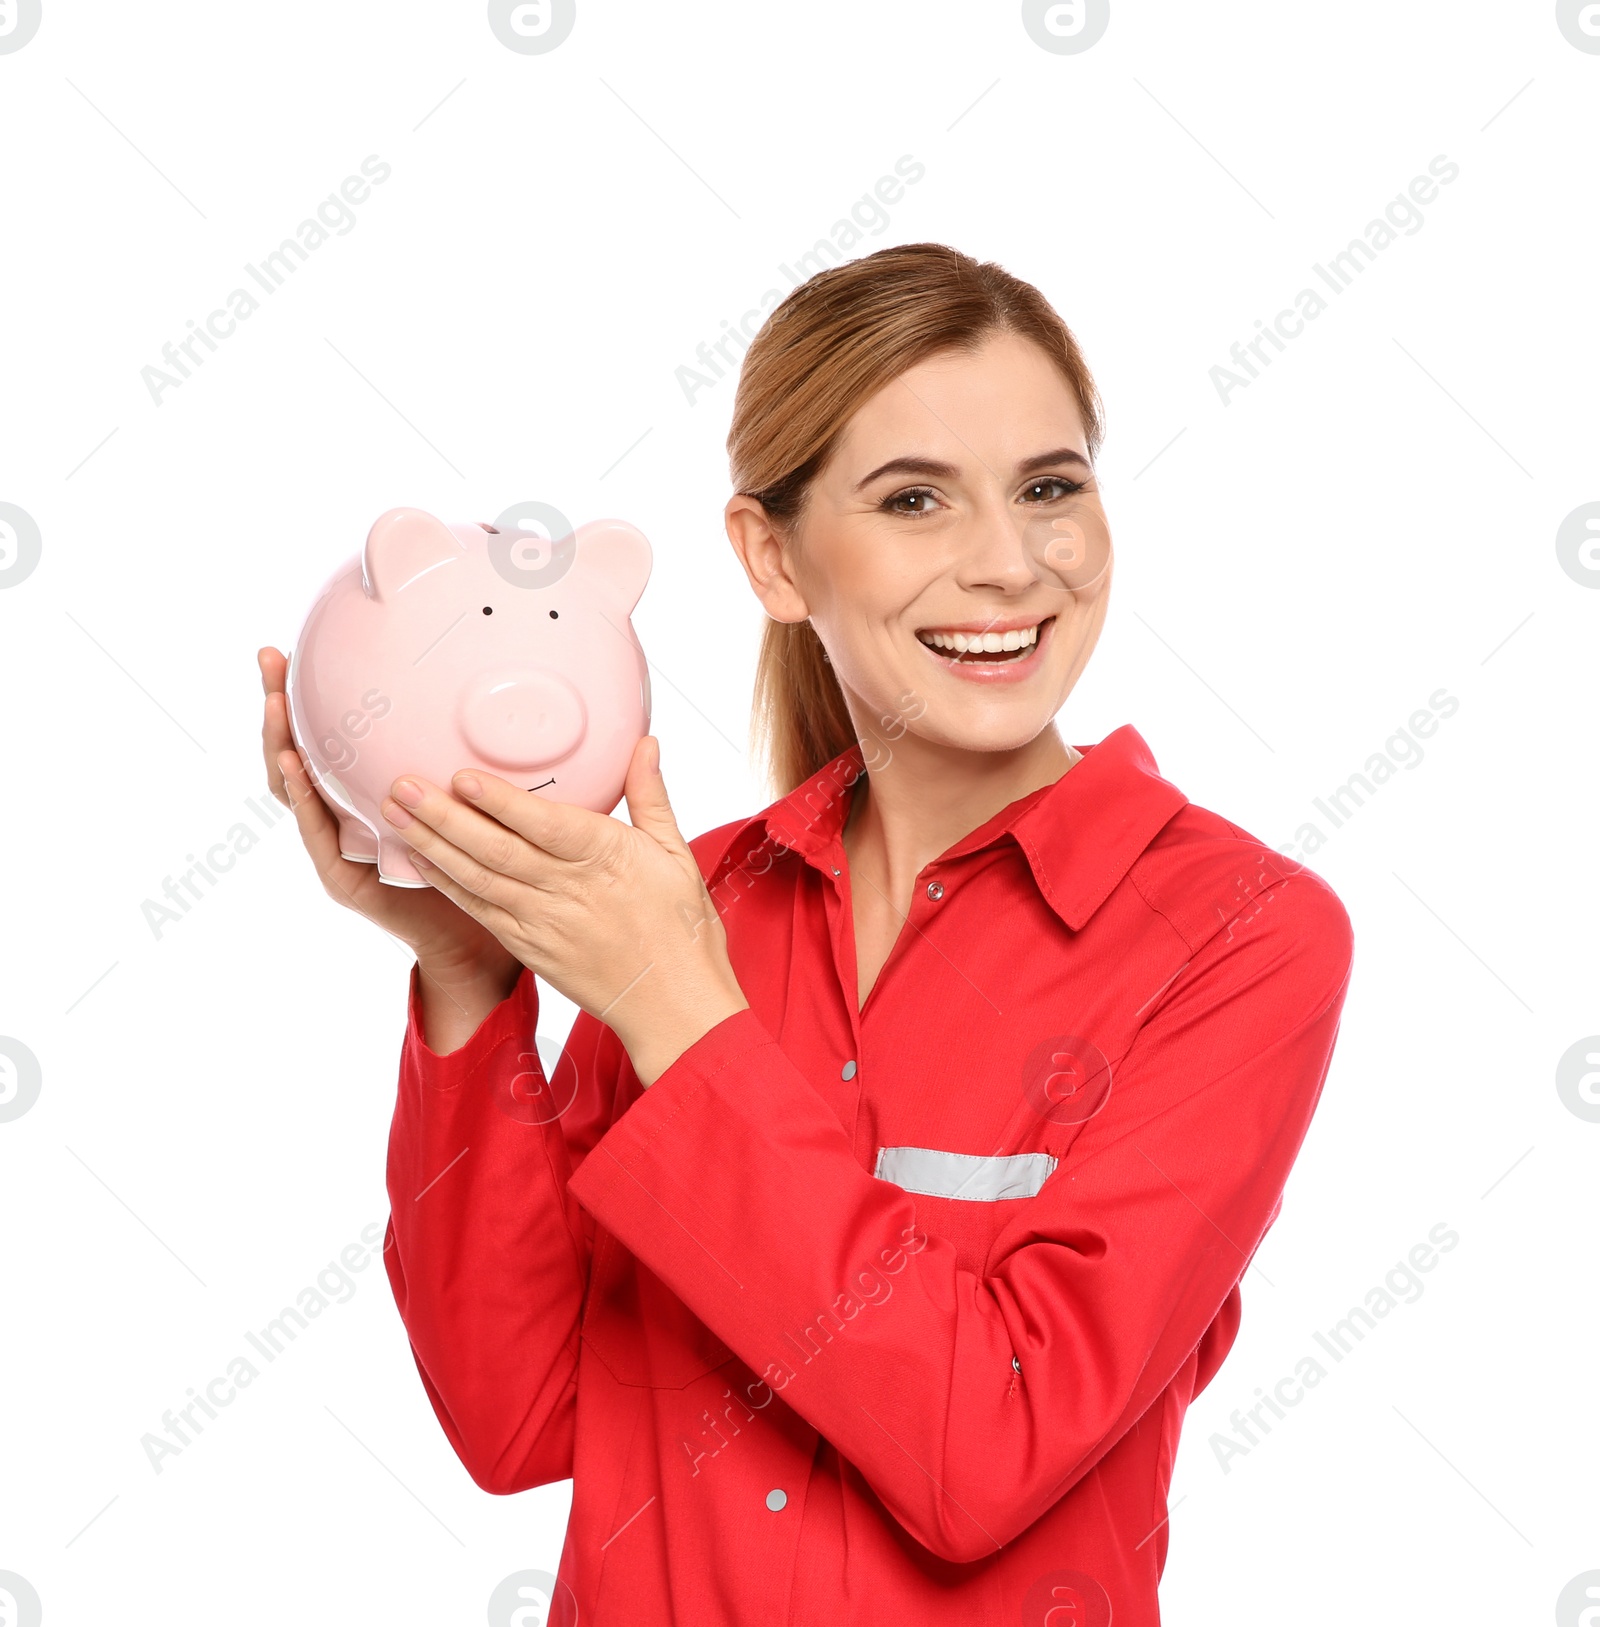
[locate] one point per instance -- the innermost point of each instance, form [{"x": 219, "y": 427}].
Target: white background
[{"x": 1372, "y": 520}]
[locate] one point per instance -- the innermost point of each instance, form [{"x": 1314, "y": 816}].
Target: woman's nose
[{"x": 1003, "y": 548}]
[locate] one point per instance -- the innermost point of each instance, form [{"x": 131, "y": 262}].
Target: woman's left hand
[{"x": 615, "y": 916}]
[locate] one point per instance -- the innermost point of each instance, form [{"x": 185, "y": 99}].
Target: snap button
[
  {"x": 776, "y": 1499},
  {"x": 848, "y": 1071},
  {"x": 836, "y": 869},
  {"x": 1016, "y": 1366},
  {"x": 935, "y": 890}
]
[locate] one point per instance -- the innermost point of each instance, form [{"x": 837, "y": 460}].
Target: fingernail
[
  {"x": 408, "y": 792},
  {"x": 469, "y": 785},
  {"x": 420, "y": 862},
  {"x": 396, "y": 815}
]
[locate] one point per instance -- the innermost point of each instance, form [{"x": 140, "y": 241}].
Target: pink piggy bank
[{"x": 442, "y": 647}]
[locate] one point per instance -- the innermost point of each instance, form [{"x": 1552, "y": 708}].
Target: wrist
[
  {"x": 655, "y": 1039},
  {"x": 489, "y": 963},
  {"x": 456, "y": 995}
]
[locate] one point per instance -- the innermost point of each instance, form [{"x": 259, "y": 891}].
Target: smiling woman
[
  {"x": 976, "y": 390},
  {"x": 1007, "y": 1019}
]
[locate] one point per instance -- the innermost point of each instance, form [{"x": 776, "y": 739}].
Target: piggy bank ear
[
  {"x": 401, "y": 546},
  {"x": 616, "y": 558}
]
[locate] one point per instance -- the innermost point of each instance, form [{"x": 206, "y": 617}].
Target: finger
[
  {"x": 557, "y": 829},
  {"x": 646, "y": 793},
  {"x": 482, "y": 855},
  {"x": 274, "y": 668},
  {"x": 319, "y": 831},
  {"x": 276, "y": 738},
  {"x": 275, "y": 734},
  {"x": 493, "y": 916}
]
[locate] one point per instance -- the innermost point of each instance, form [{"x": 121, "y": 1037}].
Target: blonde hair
[{"x": 832, "y": 344}]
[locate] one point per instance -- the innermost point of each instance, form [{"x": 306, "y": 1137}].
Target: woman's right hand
[{"x": 465, "y": 969}]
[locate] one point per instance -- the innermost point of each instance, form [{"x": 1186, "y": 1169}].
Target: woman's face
[{"x": 959, "y": 503}]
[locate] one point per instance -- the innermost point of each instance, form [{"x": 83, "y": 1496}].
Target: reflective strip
[{"x": 963, "y": 1174}]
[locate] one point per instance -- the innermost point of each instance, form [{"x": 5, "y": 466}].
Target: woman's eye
[
  {"x": 921, "y": 496},
  {"x": 1055, "y": 486}
]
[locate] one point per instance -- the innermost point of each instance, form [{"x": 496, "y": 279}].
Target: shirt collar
[{"x": 1080, "y": 834}]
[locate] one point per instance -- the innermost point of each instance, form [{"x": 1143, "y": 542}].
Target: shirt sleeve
[
  {"x": 486, "y": 1252},
  {"x": 1101, "y": 1287}
]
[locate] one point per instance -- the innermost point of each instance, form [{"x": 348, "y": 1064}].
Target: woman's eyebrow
[
  {"x": 933, "y": 467},
  {"x": 1062, "y": 454}
]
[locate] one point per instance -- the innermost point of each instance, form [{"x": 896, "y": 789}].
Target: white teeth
[{"x": 988, "y": 643}]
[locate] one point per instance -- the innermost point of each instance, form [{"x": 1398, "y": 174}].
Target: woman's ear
[{"x": 763, "y": 553}]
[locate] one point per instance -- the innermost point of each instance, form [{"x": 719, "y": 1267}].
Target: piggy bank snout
[{"x": 523, "y": 718}]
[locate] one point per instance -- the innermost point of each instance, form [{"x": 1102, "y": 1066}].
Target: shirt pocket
[
  {"x": 639, "y": 1329},
  {"x": 968, "y": 1177},
  {"x": 967, "y": 1200}
]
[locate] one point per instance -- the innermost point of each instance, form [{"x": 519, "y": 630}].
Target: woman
[{"x": 889, "y": 1204}]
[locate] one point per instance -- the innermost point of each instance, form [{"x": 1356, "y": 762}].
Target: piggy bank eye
[
  {"x": 488, "y": 610},
  {"x": 554, "y": 614}
]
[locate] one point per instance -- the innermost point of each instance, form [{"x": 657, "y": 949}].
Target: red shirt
[{"x": 888, "y": 1315}]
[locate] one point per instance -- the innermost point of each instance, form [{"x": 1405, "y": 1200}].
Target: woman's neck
[{"x": 918, "y": 799}]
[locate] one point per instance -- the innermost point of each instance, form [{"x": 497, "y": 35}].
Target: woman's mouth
[{"x": 987, "y": 649}]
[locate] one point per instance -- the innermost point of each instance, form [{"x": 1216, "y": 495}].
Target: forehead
[{"x": 1005, "y": 400}]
